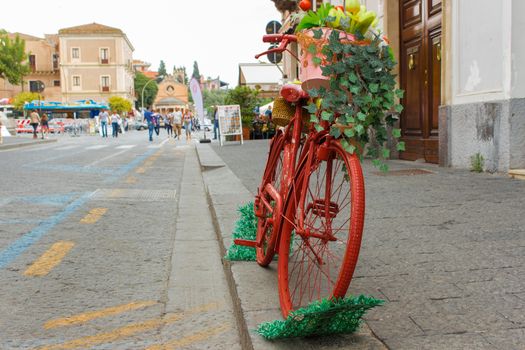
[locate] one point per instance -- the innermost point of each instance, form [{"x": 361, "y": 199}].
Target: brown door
[{"x": 420, "y": 30}]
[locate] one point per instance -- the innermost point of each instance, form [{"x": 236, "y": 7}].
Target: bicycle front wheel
[{"x": 322, "y": 228}]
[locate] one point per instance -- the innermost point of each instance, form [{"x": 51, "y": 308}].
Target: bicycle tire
[
  {"x": 265, "y": 227},
  {"x": 316, "y": 267}
]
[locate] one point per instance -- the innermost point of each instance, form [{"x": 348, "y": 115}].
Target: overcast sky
[{"x": 217, "y": 34}]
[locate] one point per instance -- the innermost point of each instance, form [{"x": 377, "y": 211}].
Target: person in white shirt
[
  {"x": 103, "y": 119},
  {"x": 114, "y": 123},
  {"x": 177, "y": 122}
]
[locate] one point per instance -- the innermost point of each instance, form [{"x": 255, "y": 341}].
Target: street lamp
[{"x": 142, "y": 94}]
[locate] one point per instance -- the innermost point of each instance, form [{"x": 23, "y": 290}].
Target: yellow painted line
[
  {"x": 94, "y": 215},
  {"x": 190, "y": 339},
  {"x": 126, "y": 331},
  {"x": 88, "y": 316},
  {"x": 140, "y": 170},
  {"x": 117, "y": 192},
  {"x": 51, "y": 258},
  {"x": 131, "y": 180}
]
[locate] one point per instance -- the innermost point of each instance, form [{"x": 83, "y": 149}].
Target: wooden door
[{"x": 420, "y": 61}]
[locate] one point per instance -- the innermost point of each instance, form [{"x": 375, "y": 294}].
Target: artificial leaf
[
  {"x": 400, "y": 146},
  {"x": 396, "y": 133}
]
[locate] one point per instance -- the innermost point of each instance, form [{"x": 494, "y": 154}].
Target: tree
[
  {"x": 119, "y": 104},
  {"x": 12, "y": 56},
  {"x": 20, "y": 100},
  {"x": 213, "y": 98},
  {"x": 162, "y": 69},
  {"x": 247, "y": 99},
  {"x": 196, "y": 73},
  {"x": 149, "y": 93}
]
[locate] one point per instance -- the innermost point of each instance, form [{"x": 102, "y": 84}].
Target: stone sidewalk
[{"x": 444, "y": 248}]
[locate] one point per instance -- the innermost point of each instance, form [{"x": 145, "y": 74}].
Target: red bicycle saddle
[{"x": 292, "y": 92}]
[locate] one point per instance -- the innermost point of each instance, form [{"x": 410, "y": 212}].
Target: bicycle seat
[{"x": 292, "y": 92}]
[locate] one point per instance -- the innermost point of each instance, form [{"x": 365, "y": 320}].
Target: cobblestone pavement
[
  {"x": 109, "y": 244},
  {"x": 444, "y": 248}
]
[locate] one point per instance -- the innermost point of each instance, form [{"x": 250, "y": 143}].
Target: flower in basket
[{"x": 346, "y": 67}]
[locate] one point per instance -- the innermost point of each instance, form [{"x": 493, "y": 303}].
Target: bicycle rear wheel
[
  {"x": 268, "y": 213},
  {"x": 322, "y": 228}
]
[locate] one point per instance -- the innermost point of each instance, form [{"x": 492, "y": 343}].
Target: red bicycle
[{"x": 310, "y": 206}]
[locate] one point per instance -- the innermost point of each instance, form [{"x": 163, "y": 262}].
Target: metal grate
[
  {"x": 404, "y": 172},
  {"x": 134, "y": 195}
]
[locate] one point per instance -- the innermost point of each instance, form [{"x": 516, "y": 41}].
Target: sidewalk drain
[
  {"x": 133, "y": 194},
  {"x": 404, "y": 172}
]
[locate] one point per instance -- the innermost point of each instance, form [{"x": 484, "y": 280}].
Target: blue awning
[{"x": 80, "y": 105}]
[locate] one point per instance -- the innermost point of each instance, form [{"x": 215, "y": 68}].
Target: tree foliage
[
  {"x": 119, "y": 104},
  {"x": 149, "y": 93},
  {"x": 213, "y": 98},
  {"x": 162, "y": 69},
  {"x": 12, "y": 58},
  {"x": 246, "y": 98},
  {"x": 196, "y": 74},
  {"x": 23, "y": 97}
]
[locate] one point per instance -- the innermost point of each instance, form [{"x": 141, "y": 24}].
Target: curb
[{"x": 25, "y": 144}]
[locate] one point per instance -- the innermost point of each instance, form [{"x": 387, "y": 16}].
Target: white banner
[{"x": 196, "y": 94}]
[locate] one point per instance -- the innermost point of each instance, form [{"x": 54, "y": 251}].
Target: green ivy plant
[{"x": 361, "y": 94}]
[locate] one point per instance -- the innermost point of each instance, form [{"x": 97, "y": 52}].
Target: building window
[
  {"x": 104, "y": 55},
  {"x": 76, "y": 80},
  {"x": 75, "y": 53},
  {"x": 35, "y": 86},
  {"x": 104, "y": 82},
  {"x": 55, "y": 61},
  {"x": 56, "y": 82},
  {"x": 32, "y": 62}
]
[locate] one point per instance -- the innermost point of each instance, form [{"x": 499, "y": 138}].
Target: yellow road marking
[
  {"x": 88, "y": 316},
  {"x": 94, "y": 215},
  {"x": 140, "y": 170},
  {"x": 190, "y": 339},
  {"x": 131, "y": 180},
  {"x": 126, "y": 331},
  {"x": 51, "y": 258}
]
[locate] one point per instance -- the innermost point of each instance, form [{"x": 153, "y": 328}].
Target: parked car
[{"x": 140, "y": 125}]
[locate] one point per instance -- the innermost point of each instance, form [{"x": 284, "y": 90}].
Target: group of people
[
  {"x": 173, "y": 122},
  {"x": 117, "y": 122},
  {"x": 35, "y": 120}
]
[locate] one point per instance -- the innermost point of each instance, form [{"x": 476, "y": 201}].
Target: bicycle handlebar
[{"x": 284, "y": 39}]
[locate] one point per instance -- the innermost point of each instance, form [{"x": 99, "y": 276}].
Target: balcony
[
  {"x": 105, "y": 88},
  {"x": 104, "y": 60}
]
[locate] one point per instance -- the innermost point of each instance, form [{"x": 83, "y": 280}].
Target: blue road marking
[
  {"x": 20, "y": 245},
  {"x": 116, "y": 174}
]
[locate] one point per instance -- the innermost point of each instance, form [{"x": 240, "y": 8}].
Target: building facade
[
  {"x": 462, "y": 66},
  {"x": 172, "y": 93},
  {"x": 90, "y": 61},
  {"x": 96, "y": 62}
]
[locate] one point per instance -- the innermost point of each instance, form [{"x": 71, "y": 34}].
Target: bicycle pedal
[{"x": 245, "y": 242}]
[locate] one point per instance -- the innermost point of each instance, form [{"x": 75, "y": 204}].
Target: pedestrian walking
[
  {"x": 177, "y": 122},
  {"x": 156, "y": 122},
  {"x": 148, "y": 117},
  {"x": 114, "y": 123},
  {"x": 44, "y": 125},
  {"x": 168, "y": 124},
  {"x": 103, "y": 118},
  {"x": 35, "y": 120},
  {"x": 215, "y": 122},
  {"x": 187, "y": 124},
  {"x": 1, "y": 132}
]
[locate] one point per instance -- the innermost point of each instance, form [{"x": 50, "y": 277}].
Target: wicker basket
[{"x": 283, "y": 112}]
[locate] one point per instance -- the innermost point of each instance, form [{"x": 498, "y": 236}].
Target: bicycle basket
[{"x": 283, "y": 112}]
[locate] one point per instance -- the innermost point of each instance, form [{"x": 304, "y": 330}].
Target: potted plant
[{"x": 346, "y": 67}]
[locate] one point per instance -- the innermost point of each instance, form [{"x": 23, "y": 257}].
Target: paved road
[
  {"x": 94, "y": 237},
  {"x": 444, "y": 248}
]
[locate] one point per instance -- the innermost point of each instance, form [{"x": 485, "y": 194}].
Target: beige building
[
  {"x": 44, "y": 68},
  {"x": 172, "y": 93},
  {"x": 264, "y": 77},
  {"x": 95, "y": 62}
]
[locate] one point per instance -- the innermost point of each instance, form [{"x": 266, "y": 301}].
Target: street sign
[
  {"x": 274, "y": 57},
  {"x": 273, "y": 27}
]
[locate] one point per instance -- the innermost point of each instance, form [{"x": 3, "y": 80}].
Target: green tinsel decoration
[
  {"x": 245, "y": 228},
  {"x": 321, "y": 318}
]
